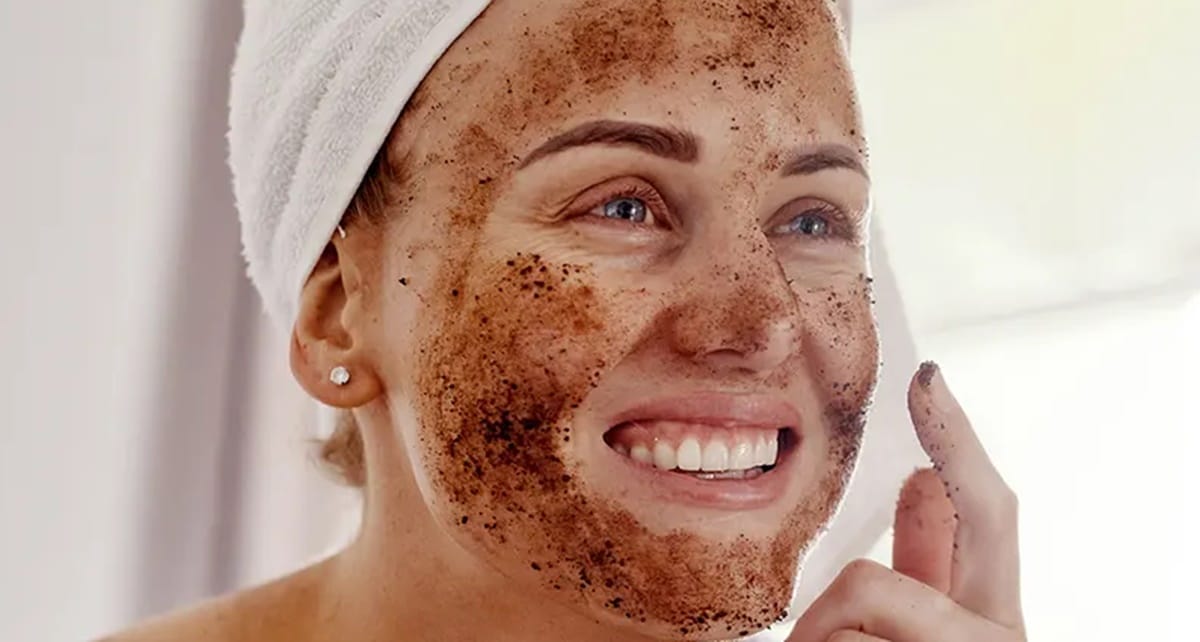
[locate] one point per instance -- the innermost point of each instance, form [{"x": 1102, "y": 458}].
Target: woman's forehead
[
  {"x": 525, "y": 67},
  {"x": 607, "y": 40}
]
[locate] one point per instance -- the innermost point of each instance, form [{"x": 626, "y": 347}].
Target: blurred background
[{"x": 1037, "y": 172}]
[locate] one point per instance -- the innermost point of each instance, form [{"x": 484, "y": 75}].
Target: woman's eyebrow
[
  {"x": 815, "y": 158},
  {"x": 683, "y": 146},
  {"x": 670, "y": 143}
]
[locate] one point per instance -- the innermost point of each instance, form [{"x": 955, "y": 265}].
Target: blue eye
[
  {"x": 814, "y": 222},
  {"x": 810, "y": 223},
  {"x": 626, "y": 208}
]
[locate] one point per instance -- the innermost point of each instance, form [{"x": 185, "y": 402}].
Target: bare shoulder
[
  {"x": 220, "y": 619},
  {"x": 281, "y": 610}
]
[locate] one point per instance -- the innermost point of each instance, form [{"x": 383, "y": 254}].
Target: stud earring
[{"x": 340, "y": 376}]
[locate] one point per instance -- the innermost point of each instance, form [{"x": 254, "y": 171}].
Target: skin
[
  {"x": 955, "y": 566},
  {"x": 495, "y": 321}
]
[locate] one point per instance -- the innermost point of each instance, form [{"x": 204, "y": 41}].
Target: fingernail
[
  {"x": 926, "y": 373},
  {"x": 939, "y": 393}
]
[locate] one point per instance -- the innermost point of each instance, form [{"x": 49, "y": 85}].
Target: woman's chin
[
  {"x": 712, "y": 594},
  {"x": 713, "y": 556}
]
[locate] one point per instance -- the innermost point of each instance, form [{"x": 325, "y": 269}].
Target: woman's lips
[
  {"x": 715, "y": 409},
  {"x": 712, "y": 450}
]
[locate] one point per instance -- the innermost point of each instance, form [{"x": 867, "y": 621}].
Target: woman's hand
[{"x": 955, "y": 575}]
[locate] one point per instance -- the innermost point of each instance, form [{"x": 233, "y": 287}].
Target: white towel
[{"x": 317, "y": 86}]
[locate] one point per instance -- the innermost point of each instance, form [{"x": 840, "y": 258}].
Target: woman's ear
[{"x": 328, "y": 355}]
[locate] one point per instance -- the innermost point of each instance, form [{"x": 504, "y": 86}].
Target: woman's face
[{"x": 633, "y": 245}]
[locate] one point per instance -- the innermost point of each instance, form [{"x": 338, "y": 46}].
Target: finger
[
  {"x": 854, "y": 636},
  {"x": 985, "y": 562},
  {"x": 876, "y": 600},
  {"x": 924, "y": 531}
]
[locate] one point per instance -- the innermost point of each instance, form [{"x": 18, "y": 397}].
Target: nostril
[
  {"x": 760, "y": 346},
  {"x": 747, "y": 329}
]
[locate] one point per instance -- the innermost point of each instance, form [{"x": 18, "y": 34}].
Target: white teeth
[
  {"x": 688, "y": 455},
  {"x": 716, "y": 457},
  {"x": 641, "y": 454},
  {"x": 762, "y": 454},
  {"x": 664, "y": 456},
  {"x": 741, "y": 456}
]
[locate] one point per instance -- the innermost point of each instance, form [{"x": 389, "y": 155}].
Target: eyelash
[
  {"x": 655, "y": 205},
  {"x": 839, "y": 226}
]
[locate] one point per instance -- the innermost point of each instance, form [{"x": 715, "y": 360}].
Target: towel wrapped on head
[{"x": 317, "y": 87}]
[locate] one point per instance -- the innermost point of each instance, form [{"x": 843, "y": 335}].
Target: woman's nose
[{"x": 753, "y": 327}]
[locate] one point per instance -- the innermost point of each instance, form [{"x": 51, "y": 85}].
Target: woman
[{"x": 600, "y": 323}]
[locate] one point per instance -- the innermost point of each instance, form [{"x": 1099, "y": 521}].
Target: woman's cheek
[
  {"x": 520, "y": 344},
  {"x": 842, "y": 342}
]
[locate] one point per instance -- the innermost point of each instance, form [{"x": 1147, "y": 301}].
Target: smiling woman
[
  {"x": 641, "y": 270},
  {"x": 600, "y": 323}
]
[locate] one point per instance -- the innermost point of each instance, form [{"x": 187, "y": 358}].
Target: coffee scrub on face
[
  {"x": 602, "y": 292},
  {"x": 531, "y": 315}
]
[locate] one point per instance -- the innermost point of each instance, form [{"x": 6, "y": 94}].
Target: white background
[
  {"x": 1037, "y": 167},
  {"x": 1038, "y": 178}
]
